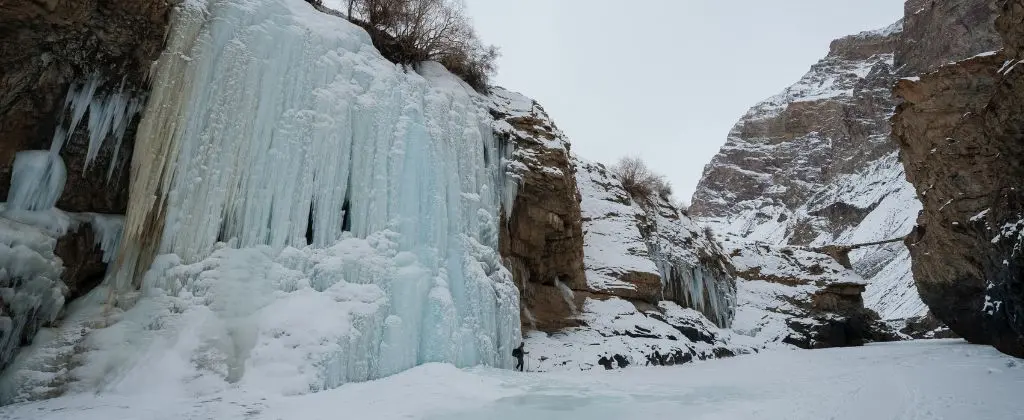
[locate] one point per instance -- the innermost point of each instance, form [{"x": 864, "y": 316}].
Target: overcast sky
[{"x": 662, "y": 79}]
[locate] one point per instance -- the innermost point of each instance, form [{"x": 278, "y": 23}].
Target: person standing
[{"x": 518, "y": 353}]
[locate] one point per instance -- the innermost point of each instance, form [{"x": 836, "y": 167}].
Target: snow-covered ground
[{"x": 939, "y": 379}]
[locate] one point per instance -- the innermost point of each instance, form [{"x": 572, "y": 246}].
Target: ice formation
[
  {"x": 37, "y": 180},
  {"x": 31, "y": 293},
  {"x": 38, "y": 176},
  {"x": 303, "y": 213},
  {"x": 109, "y": 115},
  {"x": 31, "y": 289}
]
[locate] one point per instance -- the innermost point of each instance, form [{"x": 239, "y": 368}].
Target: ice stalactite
[
  {"x": 109, "y": 116},
  {"x": 697, "y": 287},
  {"x": 37, "y": 180},
  {"x": 270, "y": 124},
  {"x": 38, "y": 176}
]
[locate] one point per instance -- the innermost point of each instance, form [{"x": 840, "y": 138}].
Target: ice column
[{"x": 277, "y": 128}]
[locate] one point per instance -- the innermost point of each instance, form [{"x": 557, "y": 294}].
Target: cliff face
[
  {"x": 657, "y": 288},
  {"x": 936, "y": 33},
  {"x": 650, "y": 251},
  {"x": 542, "y": 238},
  {"x": 961, "y": 131},
  {"x": 815, "y": 165},
  {"x": 598, "y": 274}
]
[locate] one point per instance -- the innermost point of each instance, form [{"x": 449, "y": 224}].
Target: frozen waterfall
[{"x": 303, "y": 213}]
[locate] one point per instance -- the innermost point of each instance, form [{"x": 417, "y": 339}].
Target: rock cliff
[
  {"x": 794, "y": 296},
  {"x": 815, "y": 165},
  {"x": 961, "y": 129},
  {"x": 657, "y": 287},
  {"x": 542, "y": 238}
]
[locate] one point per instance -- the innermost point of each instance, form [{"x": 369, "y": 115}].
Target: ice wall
[{"x": 302, "y": 214}]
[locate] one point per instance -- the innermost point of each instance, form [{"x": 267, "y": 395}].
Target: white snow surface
[
  {"x": 612, "y": 242},
  {"x": 615, "y": 326},
  {"x": 935, "y": 379}
]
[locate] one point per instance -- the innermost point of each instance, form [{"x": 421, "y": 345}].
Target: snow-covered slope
[
  {"x": 303, "y": 214},
  {"x": 814, "y": 166},
  {"x": 649, "y": 251},
  {"x": 657, "y": 289}
]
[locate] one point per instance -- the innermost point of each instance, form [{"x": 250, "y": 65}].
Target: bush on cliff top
[{"x": 409, "y": 32}]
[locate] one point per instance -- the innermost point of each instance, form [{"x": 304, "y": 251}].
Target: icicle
[
  {"x": 37, "y": 180},
  {"x": 109, "y": 116},
  {"x": 107, "y": 230},
  {"x": 567, "y": 296}
]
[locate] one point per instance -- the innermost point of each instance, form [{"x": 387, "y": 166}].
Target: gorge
[{"x": 235, "y": 198}]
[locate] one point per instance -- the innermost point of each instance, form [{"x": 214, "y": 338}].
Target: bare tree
[
  {"x": 435, "y": 30},
  {"x": 640, "y": 182}
]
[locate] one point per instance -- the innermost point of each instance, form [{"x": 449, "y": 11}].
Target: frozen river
[{"x": 945, "y": 379}]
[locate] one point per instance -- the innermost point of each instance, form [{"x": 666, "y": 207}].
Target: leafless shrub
[
  {"x": 640, "y": 182},
  {"x": 428, "y": 30}
]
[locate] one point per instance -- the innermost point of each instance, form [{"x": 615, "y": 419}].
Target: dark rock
[
  {"x": 926, "y": 327},
  {"x": 46, "y": 49},
  {"x": 961, "y": 132},
  {"x": 83, "y": 261}
]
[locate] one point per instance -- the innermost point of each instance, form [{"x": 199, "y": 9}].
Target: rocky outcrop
[
  {"x": 961, "y": 131},
  {"x": 655, "y": 288},
  {"x": 542, "y": 238},
  {"x": 793, "y": 296},
  {"x": 648, "y": 250},
  {"x": 936, "y": 33},
  {"x": 815, "y": 165},
  {"x": 49, "y": 45},
  {"x": 616, "y": 333}
]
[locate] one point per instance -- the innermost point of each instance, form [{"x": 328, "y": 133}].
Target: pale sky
[{"x": 662, "y": 79}]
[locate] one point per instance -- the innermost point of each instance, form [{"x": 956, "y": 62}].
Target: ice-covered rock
[
  {"x": 650, "y": 251},
  {"x": 617, "y": 334},
  {"x": 658, "y": 290},
  {"x": 34, "y": 280},
  {"x": 792, "y": 296}
]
